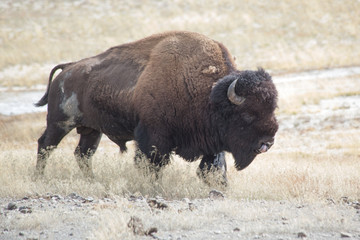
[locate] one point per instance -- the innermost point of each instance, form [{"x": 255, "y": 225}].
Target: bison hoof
[{"x": 213, "y": 176}]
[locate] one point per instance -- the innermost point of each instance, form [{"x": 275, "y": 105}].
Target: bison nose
[{"x": 265, "y": 146}]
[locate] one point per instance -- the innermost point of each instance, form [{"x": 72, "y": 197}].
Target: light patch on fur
[
  {"x": 61, "y": 86},
  {"x": 70, "y": 107},
  {"x": 90, "y": 63},
  {"x": 210, "y": 70}
]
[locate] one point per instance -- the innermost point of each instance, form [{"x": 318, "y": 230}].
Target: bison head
[{"x": 243, "y": 105}]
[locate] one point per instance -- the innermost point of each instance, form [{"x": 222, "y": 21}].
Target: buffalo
[{"x": 174, "y": 92}]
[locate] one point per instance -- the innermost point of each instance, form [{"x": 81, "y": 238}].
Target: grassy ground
[
  {"x": 278, "y": 35},
  {"x": 307, "y": 183},
  {"x": 310, "y": 161}
]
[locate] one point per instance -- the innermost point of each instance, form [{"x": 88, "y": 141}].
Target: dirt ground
[{"x": 76, "y": 217}]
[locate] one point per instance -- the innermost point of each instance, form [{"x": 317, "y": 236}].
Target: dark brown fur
[{"x": 167, "y": 92}]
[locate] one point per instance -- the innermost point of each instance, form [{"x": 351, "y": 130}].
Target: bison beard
[{"x": 172, "y": 92}]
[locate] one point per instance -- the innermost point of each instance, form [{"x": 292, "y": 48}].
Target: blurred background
[{"x": 281, "y": 36}]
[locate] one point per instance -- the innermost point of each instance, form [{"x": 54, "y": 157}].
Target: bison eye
[{"x": 248, "y": 118}]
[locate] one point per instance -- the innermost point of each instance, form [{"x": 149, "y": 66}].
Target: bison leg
[
  {"x": 148, "y": 156},
  {"x": 213, "y": 166},
  {"x": 152, "y": 162},
  {"x": 89, "y": 141},
  {"x": 46, "y": 143}
]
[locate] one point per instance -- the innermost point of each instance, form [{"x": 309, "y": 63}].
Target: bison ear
[{"x": 232, "y": 96}]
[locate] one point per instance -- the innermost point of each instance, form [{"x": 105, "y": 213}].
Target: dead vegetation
[{"x": 281, "y": 36}]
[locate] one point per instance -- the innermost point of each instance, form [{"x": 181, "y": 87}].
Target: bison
[{"x": 175, "y": 92}]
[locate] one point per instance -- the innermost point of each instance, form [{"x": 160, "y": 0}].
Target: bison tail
[{"x": 44, "y": 100}]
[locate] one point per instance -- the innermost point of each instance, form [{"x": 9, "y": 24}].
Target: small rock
[
  {"x": 151, "y": 231},
  {"x": 345, "y": 235},
  {"x": 11, "y": 206},
  {"x": 56, "y": 197},
  {"x": 25, "y": 210},
  {"x": 217, "y": 232},
  {"x": 236, "y": 229},
  {"x": 192, "y": 206},
  {"x": 75, "y": 196},
  {"x": 215, "y": 194},
  {"x": 156, "y": 204},
  {"x": 89, "y": 199},
  {"x": 301, "y": 235},
  {"x": 135, "y": 198},
  {"x": 21, "y": 234},
  {"x": 345, "y": 200}
]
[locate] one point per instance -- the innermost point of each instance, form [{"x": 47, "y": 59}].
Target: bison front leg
[
  {"x": 153, "y": 153},
  {"x": 213, "y": 168},
  {"x": 151, "y": 163},
  {"x": 89, "y": 141}
]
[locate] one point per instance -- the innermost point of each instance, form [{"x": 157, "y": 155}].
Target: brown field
[
  {"x": 282, "y": 36},
  {"x": 308, "y": 182}
]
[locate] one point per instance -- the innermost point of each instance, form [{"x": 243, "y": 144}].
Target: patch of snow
[
  {"x": 335, "y": 113},
  {"x": 14, "y": 103},
  {"x": 317, "y": 74}
]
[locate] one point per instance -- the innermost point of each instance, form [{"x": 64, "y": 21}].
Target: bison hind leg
[
  {"x": 48, "y": 142},
  {"x": 212, "y": 169},
  {"x": 89, "y": 141}
]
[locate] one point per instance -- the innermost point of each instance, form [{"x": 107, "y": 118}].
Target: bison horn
[{"x": 233, "y": 97}]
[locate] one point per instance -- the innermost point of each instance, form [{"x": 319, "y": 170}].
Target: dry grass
[
  {"x": 281, "y": 35},
  {"x": 309, "y": 166},
  {"x": 309, "y": 162}
]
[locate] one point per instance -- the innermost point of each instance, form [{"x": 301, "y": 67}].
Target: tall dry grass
[
  {"x": 303, "y": 165},
  {"x": 310, "y": 163},
  {"x": 278, "y": 35}
]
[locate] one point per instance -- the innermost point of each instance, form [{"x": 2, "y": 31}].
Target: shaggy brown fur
[{"x": 166, "y": 91}]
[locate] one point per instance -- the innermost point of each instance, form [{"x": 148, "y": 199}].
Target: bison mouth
[
  {"x": 264, "y": 147},
  {"x": 244, "y": 157}
]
